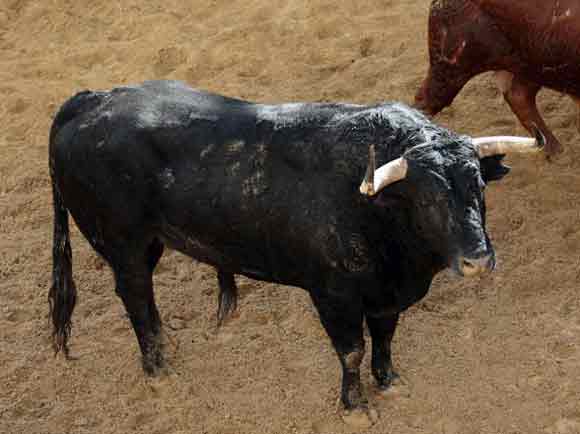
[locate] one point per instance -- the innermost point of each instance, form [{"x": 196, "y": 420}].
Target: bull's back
[
  {"x": 208, "y": 175},
  {"x": 544, "y": 36},
  {"x": 111, "y": 153}
]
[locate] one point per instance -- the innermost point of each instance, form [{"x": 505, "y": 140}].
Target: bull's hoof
[
  {"x": 385, "y": 381},
  {"x": 553, "y": 150},
  {"x": 158, "y": 371},
  {"x": 395, "y": 388},
  {"x": 153, "y": 370},
  {"x": 360, "y": 418},
  {"x": 154, "y": 364}
]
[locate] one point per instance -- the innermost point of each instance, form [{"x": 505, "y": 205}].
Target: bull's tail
[
  {"x": 228, "y": 298},
  {"x": 62, "y": 296}
]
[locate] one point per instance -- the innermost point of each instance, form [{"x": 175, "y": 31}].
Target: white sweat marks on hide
[
  {"x": 205, "y": 151},
  {"x": 201, "y": 116},
  {"x": 274, "y": 112},
  {"x": 255, "y": 184},
  {"x": 94, "y": 119},
  {"x": 234, "y": 169},
  {"x": 235, "y": 146},
  {"x": 340, "y": 116},
  {"x": 261, "y": 152},
  {"x": 166, "y": 178},
  {"x": 410, "y": 113},
  {"x": 282, "y": 115},
  {"x": 429, "y": 134},
  {"x": 148, "y": 117}
]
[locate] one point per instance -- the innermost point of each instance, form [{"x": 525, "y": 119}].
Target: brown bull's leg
[
  {"x": 577, "y": 101},
  {"x": 440, "y": 87},
  {"x": 520, "y": 94},
  {"x": 342, "y": 319}
]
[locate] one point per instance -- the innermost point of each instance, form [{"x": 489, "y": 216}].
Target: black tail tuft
[
  {"x": 62, "y": 296},
  {"x": 228, "y": 297}
]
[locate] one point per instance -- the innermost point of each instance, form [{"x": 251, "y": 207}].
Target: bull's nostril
[{"x": 467, "y": 264}]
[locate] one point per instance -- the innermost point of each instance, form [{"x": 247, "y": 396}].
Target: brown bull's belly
[{"x": 563, "y": 78}]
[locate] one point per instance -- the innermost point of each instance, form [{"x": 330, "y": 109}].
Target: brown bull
[{"x": 529, "y": 44}]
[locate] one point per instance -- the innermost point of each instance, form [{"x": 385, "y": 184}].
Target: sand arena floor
[{"x": 493, "y": 355}]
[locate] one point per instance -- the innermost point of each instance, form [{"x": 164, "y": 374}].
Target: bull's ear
[{"x": 493, "y": 169}]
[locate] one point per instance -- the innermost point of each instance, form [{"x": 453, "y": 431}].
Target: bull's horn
[
  {"x": 376, "y": 180},
  {"x": 495, "y": 145},
  {"x": 368, "y": 185}
]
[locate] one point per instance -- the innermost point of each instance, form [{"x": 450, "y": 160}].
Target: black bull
[{"x": 270, "y": 192}]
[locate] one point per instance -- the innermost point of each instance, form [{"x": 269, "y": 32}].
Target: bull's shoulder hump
[{"x": 302, "y": 113}]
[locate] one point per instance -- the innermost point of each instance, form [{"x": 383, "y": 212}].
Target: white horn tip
[
  {"x": 367, "y": 189},
  {"x": 494, "y": 145}
]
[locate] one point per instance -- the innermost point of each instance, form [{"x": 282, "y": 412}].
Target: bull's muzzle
[{"x": 470, "y": 267}]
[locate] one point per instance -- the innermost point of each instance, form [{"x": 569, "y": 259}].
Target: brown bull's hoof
[
  {"x": 360, "y": 418},
  {"x": 552, "y": 151}
]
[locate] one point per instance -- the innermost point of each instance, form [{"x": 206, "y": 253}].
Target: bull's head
[{"x": 445, "y": 180}]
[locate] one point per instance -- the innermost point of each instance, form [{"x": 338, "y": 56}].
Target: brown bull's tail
[{"x": 63, "y": 294}]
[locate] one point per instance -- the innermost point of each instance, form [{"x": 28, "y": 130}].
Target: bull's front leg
[
  {"x": 520, "y": 94},
  {"x": 342, "y": 318},
  {"x": 382, "y": 330}
]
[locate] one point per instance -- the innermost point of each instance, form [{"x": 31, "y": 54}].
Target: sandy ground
[{"x": 493, "y": 355}]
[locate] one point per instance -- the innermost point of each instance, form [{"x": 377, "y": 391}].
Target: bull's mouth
[{"x": 471, "y": 267}]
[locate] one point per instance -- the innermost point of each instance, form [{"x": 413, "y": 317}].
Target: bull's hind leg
[{"x": 134, "y": 285}]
